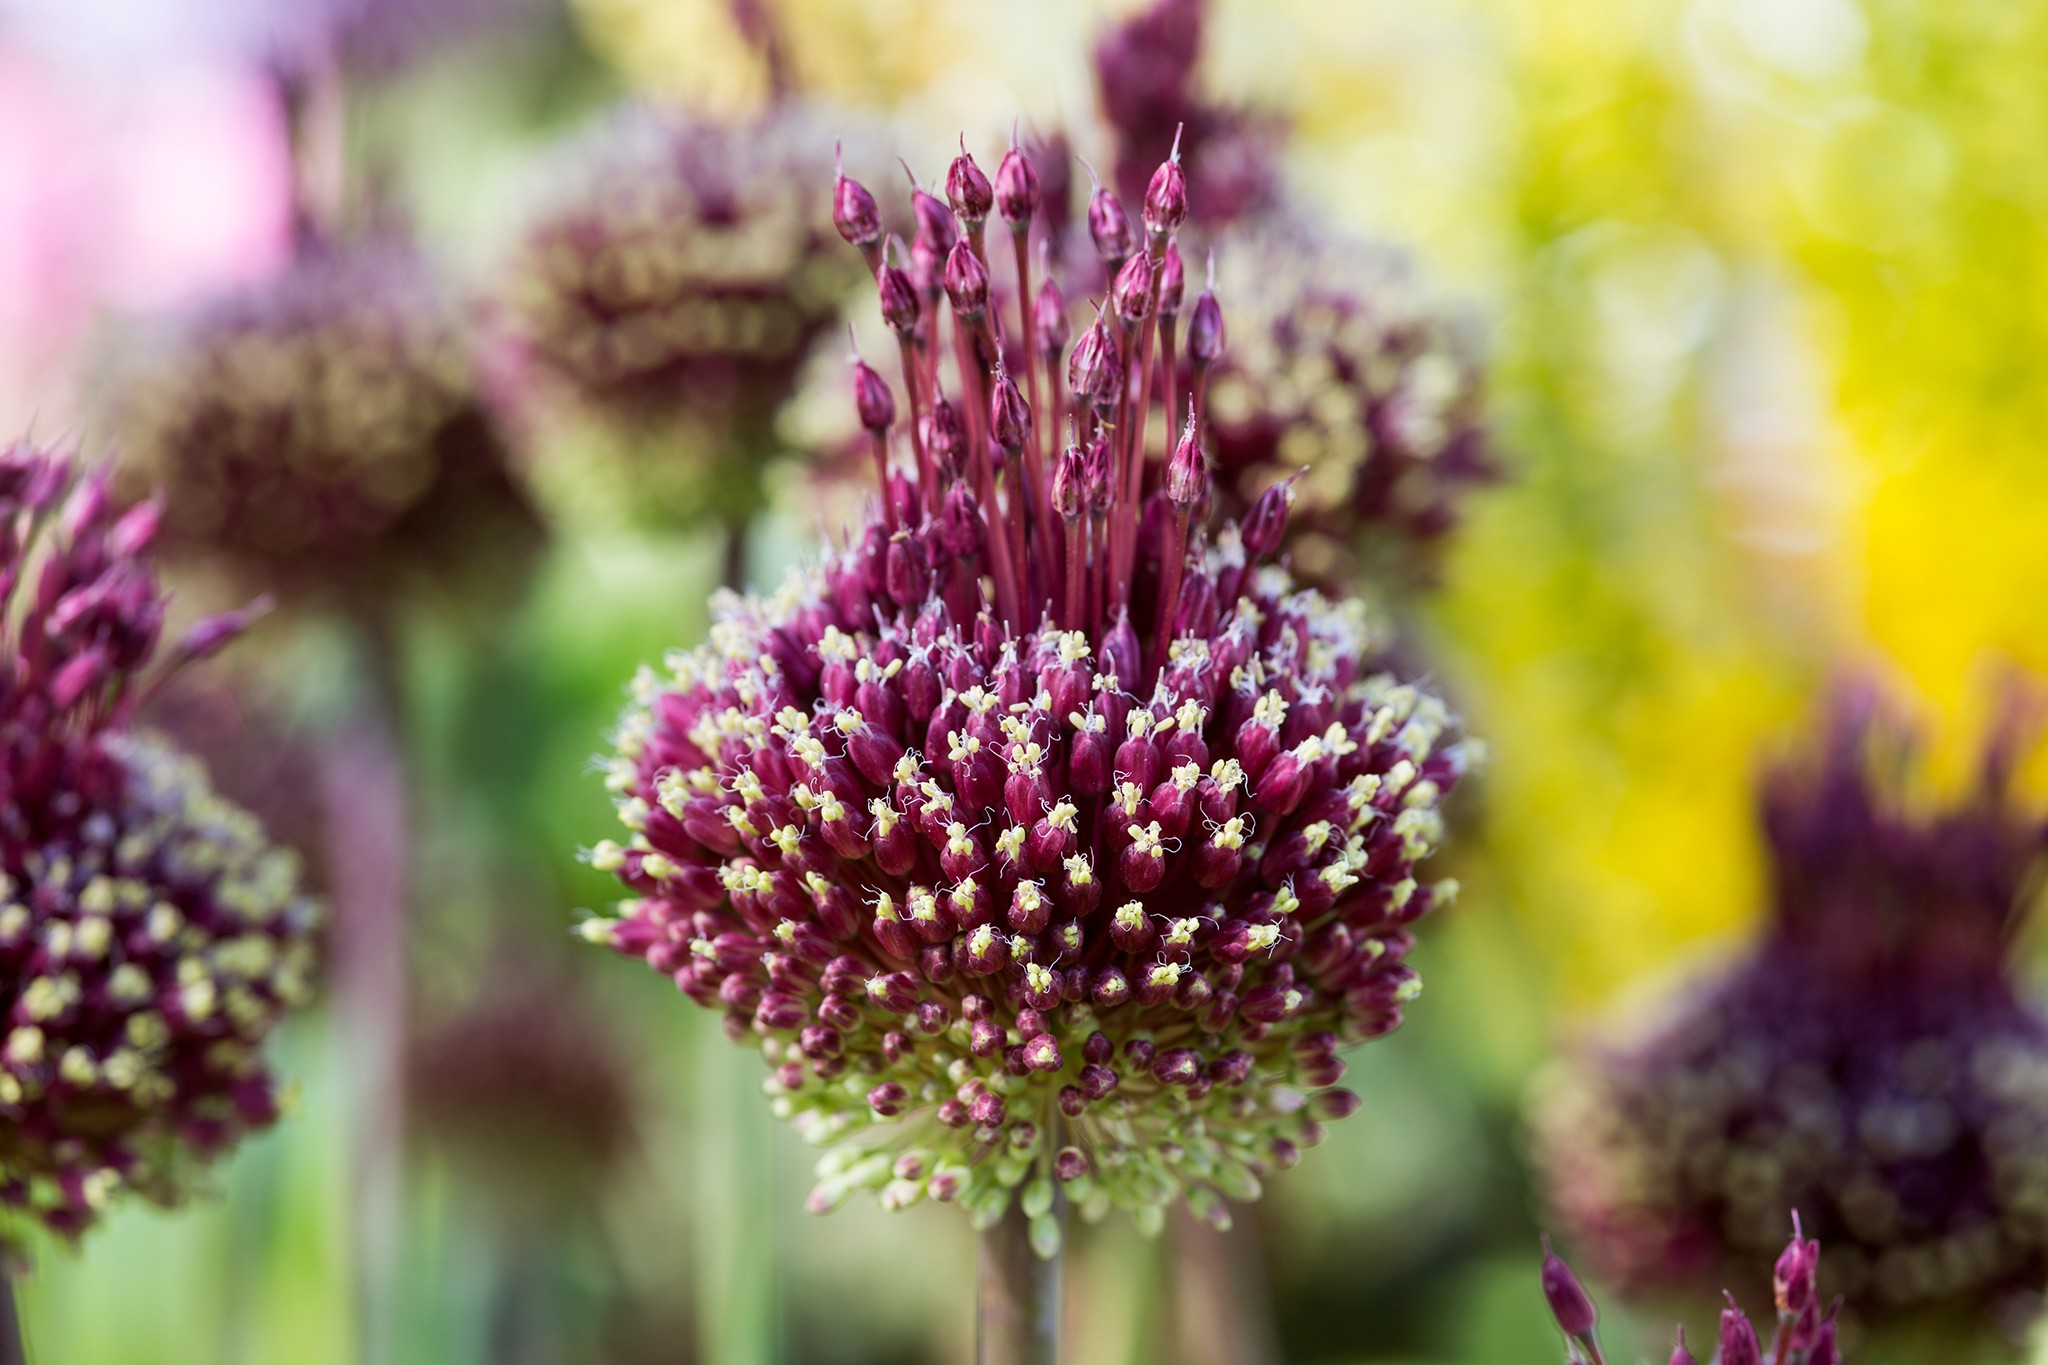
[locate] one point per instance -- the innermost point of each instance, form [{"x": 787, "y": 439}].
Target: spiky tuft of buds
[
  {"x": 151, "y": 937},
  {"x": 1037, "y": 846},
  {"x": 1883, "y": 970}
]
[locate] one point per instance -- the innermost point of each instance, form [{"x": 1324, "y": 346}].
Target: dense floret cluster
[
  {"x": 150, "y": 936},
  {"x": 317, "y": 423},
  {"x": 1868, "y": 1061},
  {"x": 1041, "y": 840}
]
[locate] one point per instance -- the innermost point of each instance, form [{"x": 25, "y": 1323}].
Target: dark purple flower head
[
  {"x": 1145, "y": 84},
  {"x": 523, "y": 1085},
  {"x": 1869, "y": 1061},
  {"x": 320, "y": 426},
  {"x": 1046, "y": 816},
  {"x": 665, "y": 302},
  {"x": 150, "y": 936}
]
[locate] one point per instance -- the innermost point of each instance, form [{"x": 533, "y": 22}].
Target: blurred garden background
[{"x": 1763, "y": 290}]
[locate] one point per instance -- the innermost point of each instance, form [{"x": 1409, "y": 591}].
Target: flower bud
[
  {"x": 1187, "y": 473},
  {"x": 1173, "y": 283},
  {"x": 945, "y": 440},
  {"x": 1049, "y": 319},
  {"x": 1009, "y": 416},
  {"x": 1068, "y": 477},
  {"x": 968, "y": 189},
  {"x": 1679, "y": 1355},
  {"x": 1166, "y": 198},
  {"x": 900, "y": 306},
  {"x": 1792, "y": 1279},
  {"x": 966, "y": 281},
  {"x": 1096, "y": 472},
  {"x": 1094, "y": 371},
  {"x": 1568, "y": 1300},
  {"x": 1205, "y": 326},
  {"x": 1110, "y": 228},
  {"x": 1739, "y": 1345},
  {"x": 1132, "y": 291},
  {"x": 1265, "y": 526},
  {"x": 936, "y": 230},
  {"x": 854, "y": 211},
  {"x": 1016, "y": 187},
  {"x": 872, "y": 398}
]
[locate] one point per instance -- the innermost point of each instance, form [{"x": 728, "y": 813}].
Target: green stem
[
  {"x": 1019, "y": 1302},
  {"x": 12, "y": 1351}
]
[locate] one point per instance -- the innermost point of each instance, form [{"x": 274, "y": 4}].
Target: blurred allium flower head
[
  {"x": 671, "y": 292},
  {"x": 1805, "y": 1332},
  {"x": 1343, "y": 369},
  {"x": 524, "y": 1086},
  {"x": 1868, "y": 1061},
  {"x": 321, "y": 424},
  {"x": 1042, "y": 839},
  {"x": 150, "y": 935},
  {"x": 1146, "y": 83}
]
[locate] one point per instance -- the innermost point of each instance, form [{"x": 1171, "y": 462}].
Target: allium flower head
[
  {"x": 669, "y": 297},
  {"x": 1341, "y": 368},
  {"x": 150, "y": 936},
  {"x": 321, "y": 424},
  {"x": 1145, "y": 82},
  {"x": 525, "y": 1088},
  {"x": 1039, "y": 838},
  {"x": 1868, "y": 1061}
]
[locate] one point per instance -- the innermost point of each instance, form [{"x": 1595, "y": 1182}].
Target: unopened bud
[
  {"x": 1792, "y": 1279},
  {"x": 1109, "y": 226},
  {"x": 1569, "y": 1302},
  {"x": 1739, "y": 1345},
  {"x": 967, "y": 188},
  {"x": 1094, "y": 371},
  {"x": 1132, "y": 291},
  {"x": 872, "y": 398},
  {"x": 1009, "y": 416},
  {"x": 1096, "y": 467},
  {"x": 1016, "y": 187},
  {"x": 1187, "y": 473},
  {"x": 898, "y": 291},
  {"x": 210, "y": 634},
  {"x": 1265, "y": 526},
  {"x": 945, "y": 440},
  {"x": 1049, "y": 319},
  {"x": 935, "y": 225},
  {"x": 1679, "y": 1355},
  {"x": 1068, "y": 478},
  {"x": 1166, "y": 198},
  {"x": 1173, "y": 283},
  {"x": 854, "y": 211},
  {"x": 1205, "y": 326},
  {"x": 966, "y": 281}
]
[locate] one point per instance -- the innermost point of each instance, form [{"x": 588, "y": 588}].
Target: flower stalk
[{"x": 1017, "y": 1319}]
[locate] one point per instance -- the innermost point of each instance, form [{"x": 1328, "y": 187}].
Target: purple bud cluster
[
  {"x": 1868, "y": 1061},
  {"x": 318, "y": 423},
  {"x": 1805, "y": 1334},
  {"x": 1030, "y": 861},
  {"x": 666, "y": 299},
  {"x": 150, "y": 936}
]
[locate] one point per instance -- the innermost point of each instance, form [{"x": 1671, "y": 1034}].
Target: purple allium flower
[
  {"x": 525, "y": 1087},
  {"x": 1040, "y": 839},
  {"x": 1340, "y": 367},
  {"x": 150, "y": 935},
  {"x": 1868, "y": 1061},
  {"x": 672, "y": 294},
  {"x": 321, "y": 427},
  {"x": 1804, "y": 1336},
  {"x": 1145, "y": 84}
]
